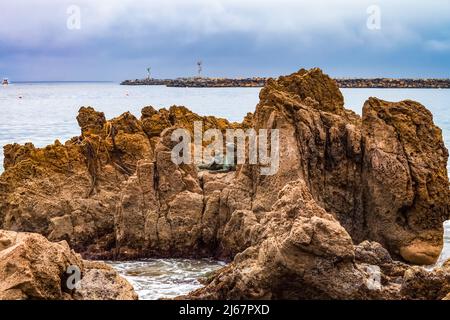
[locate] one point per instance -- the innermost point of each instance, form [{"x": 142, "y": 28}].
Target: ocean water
[
  {"x": 43, "y": 112},
  {"x": 154, "y": 279}
]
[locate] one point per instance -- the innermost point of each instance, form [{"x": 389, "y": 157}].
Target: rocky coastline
[
  {"x": 205, "y": 82},
  {"x": 354, "y": 196}
]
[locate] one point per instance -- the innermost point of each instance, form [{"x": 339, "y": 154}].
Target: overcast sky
[{"x": 118, "y": 39}]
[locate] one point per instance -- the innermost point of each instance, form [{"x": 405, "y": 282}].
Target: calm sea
[{"x": 43, "y": 112}]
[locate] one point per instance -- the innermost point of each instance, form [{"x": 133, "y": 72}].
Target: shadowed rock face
[
  {"x": 69, "y": 192},
  {"x": 379, "y": 180},
  {"x": 320, "y": 142}
]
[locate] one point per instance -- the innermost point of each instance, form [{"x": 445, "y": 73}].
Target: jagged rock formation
[
  {"x": 72, "y": 191},
  {"x": 396, "y": 197},
  {"x": 31, "y": 267},
  {"x": 351, "y": 192},
  {"x": 383, "y": 177},
  {"x": 300, "y": 251}
]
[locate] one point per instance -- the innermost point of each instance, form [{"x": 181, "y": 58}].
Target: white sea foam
[
  {"x": 165, "y": 278},
  {"x": 445, "y": 254}
]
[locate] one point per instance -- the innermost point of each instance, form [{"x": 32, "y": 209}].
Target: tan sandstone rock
[
  {"x": 383, "y": 175},
  {"x": 302, "y": 253},
  {"x": 72, "y": 192},
  {"x": 31, "y": 267}
]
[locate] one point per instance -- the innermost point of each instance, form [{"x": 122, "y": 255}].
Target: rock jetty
[
  {"x": 357, "y": 203},
  {"x": 204, "y": 82},
  {"x": 200, "y": 82}
]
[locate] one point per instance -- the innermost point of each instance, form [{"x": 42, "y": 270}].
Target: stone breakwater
[
  {"x": 356, "y": 202},
  {"x": 201, "y": 82}
]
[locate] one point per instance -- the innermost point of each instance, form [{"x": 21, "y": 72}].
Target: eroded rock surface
[
  {"x": 77, "y": 191},
  {"x": 383, "y": 175},
  {"x": 161, "y": 207},
  {"x": 299, "y": 252},
  {"x": 31, "y": 267}
]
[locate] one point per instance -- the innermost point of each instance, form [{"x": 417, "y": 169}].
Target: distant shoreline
[{"x": 204, "y": 82}]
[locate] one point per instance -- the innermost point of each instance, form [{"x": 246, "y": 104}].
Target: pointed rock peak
[
  {"x": 90, "y": 121},
  {"x": 127, "y": 123},
  {"x": 312, "y": 84},
  {"x": 147, "y": 112}
]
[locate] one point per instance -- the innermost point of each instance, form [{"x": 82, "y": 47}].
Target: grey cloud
[{"x": 233, "y": 37}]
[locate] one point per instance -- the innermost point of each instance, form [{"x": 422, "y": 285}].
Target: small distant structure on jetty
[
  {"x": 5, "y": 82},
  {"x": 200, "y": 68},
  {"x": 149, "y": 70}
]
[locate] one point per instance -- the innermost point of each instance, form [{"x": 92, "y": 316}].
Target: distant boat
[{"x": 5, "y": 82}]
